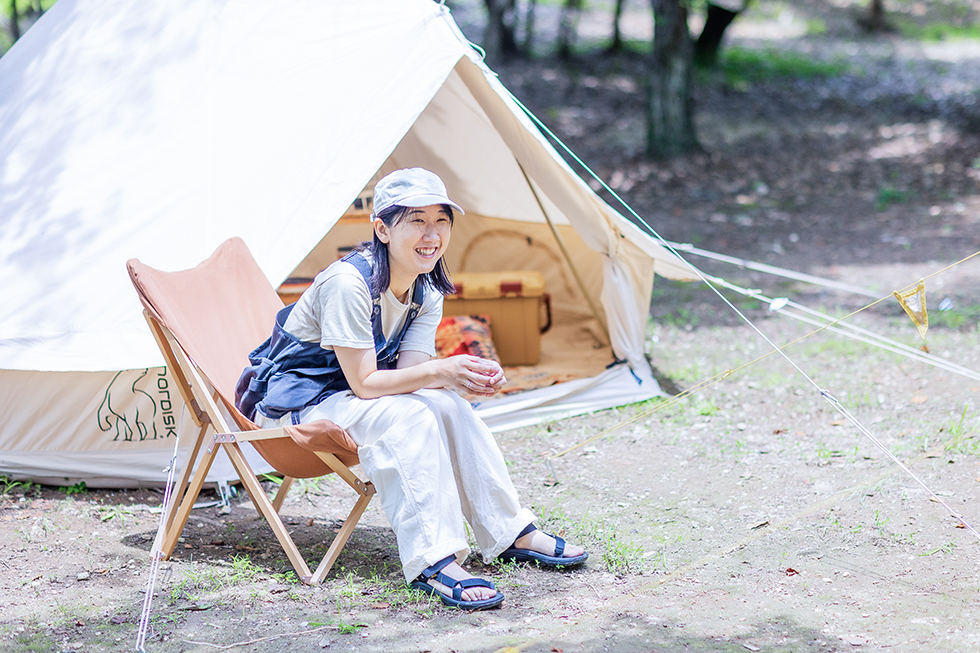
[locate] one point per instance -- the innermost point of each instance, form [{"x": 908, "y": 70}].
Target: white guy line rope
[
  {"x": 852, "y": 331},
  {"x": 151, "y": 581},
  {"x": 776, "y": 271},
  {"x": 823, "y": 393}
]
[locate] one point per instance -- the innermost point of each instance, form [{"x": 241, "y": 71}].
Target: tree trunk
[
  {"x": 14, "y": 21},
  {"x": 617, "y": 38},
  {"x": 670, "y": 106},
  {"x": 708, "y": 44},
  {"x": 529, "y": 28},
  {"x": 875, "y": 21},
  {"x": 566, "y": 27},
  {"x": 499, "y": 41},
  {"x": 492, "y": 36}
]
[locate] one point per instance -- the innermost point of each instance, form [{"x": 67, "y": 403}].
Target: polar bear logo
[{"x": 126, "y": 410}]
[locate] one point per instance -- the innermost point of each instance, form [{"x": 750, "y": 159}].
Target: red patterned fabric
[{"x": 465, "y": 334}]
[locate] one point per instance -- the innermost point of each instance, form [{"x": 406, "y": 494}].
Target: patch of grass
[
  {"x": 880, "y": 523},
  {"x": 77, "y": 488},
  {"x": 108, "y": 513},
  {"x": 842, "y": 348},
  {"x": 944, "y": 549},
  {"x": 308, "y": 485},
  {"x": 272, "y": 478},
  {"x": 740, "y": 67},
  {"x": 934, "y": 31},
  {"x": 962, "y": 433},
  {"x": 243, "y": 571},
  {"x": 203, "y": 579},
  {"x": 888, "y": 195},
  {"x": 9, "y": 484},
  {"x": 705, "y": 407},
  {"x": 816, "y": 26},
  {"x": 960, "y": 318},
  {"x": 382, "y": 588},
  {"x": 31, "y": 641},
  {"x": 621, "y": 557},
  {"x": 682, "y": 317}
]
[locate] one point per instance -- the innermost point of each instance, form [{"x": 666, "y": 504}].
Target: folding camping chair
[{"x": 206, "y": 320}]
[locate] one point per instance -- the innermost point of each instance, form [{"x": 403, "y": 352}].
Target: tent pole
[{"x": 564, "y": 252}]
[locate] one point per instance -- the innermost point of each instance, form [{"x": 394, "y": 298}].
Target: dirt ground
[{"x": 748, "y": 515}]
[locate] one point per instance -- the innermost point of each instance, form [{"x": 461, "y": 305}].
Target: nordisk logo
[{"x": 137, "y": 406}]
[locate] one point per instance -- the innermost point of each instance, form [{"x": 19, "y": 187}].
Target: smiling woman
[
  {"x": 358, "y": 349},
  {"x": 416, "y": 238}
]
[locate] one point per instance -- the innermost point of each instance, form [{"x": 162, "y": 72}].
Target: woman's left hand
[{"x": 475, "y": 375}]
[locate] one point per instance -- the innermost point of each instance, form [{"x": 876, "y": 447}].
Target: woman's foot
[
  {"x": 456, "y": 587},
  {"x": 542, "y": 542},
  {"x": 545, "y": 549},
  {"x": 457, "y": 573}
]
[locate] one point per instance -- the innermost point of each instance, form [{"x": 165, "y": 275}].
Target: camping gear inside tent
[{"x": 156, "y": 130}]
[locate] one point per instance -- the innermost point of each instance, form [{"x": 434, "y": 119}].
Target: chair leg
[
  {"x": 342, "y": 536},
  {"x": 265, "y": 508},
  {"x": 287, "y": 483},
  {"x": 185, "y": 475},
  {"x": 190, "y": 496}
]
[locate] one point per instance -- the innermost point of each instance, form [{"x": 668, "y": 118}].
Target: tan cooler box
[{"x": 514, "y": 302}]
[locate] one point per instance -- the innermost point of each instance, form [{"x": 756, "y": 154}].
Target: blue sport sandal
[
  {"x": 435, "y": 573},
  {"x": 543, "y": 559}
]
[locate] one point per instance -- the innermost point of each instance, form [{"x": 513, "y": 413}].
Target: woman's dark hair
[{"x": 439, "y": 279}]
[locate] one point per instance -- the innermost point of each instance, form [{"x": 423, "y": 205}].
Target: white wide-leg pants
[{"x": 433, "y": 462}]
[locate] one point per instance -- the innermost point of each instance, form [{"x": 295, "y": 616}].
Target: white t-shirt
[{"x": 336, "y": 311}]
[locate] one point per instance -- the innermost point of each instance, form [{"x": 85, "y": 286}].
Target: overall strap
[{"x": 387, "y": 351}]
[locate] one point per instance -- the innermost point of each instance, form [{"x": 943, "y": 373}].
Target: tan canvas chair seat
[{"x": 206, "y": 321}]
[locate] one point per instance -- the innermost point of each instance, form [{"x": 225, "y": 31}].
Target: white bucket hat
[{"x": 412, "y": 187}]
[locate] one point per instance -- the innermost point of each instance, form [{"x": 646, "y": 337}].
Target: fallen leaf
[
  {"x": 961, "y": 525},
  {"x": 556, "y": 649},
  {"x": 381, "y": 605},
  {"x": 791, "y": 572},
  {"x": 196, "y": 607},
  {"x": 310, "y": 522}
]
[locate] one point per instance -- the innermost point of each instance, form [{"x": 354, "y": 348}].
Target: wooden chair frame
[{"x": 202, "y": 401}]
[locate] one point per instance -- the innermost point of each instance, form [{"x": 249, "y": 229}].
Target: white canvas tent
[{"x": 157, "y": 130}]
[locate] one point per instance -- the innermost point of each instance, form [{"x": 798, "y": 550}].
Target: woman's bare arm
[{"x": 416, "y": 371}]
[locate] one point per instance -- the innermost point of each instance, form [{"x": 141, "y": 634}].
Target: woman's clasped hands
[{"x": 474, "y": 375}]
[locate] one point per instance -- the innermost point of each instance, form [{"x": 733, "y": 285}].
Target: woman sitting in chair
[{"x": 357, "y": 349}]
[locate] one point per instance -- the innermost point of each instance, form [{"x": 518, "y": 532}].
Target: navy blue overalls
[{"x": 287, "y": 374}]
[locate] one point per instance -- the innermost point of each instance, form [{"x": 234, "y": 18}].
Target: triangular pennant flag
[{"x": 914, "y": 303}]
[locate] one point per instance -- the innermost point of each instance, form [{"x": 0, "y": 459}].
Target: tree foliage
[{"x": 18, "y": 15}]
